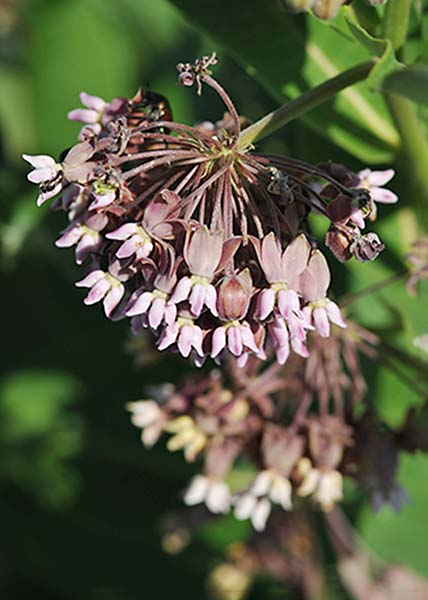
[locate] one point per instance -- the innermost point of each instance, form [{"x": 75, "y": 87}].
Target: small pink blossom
[
  {"x": 314, "y": 283},
  {"x": 373, "y": 181},
  {"x": 85, "y": 235},
  {"x": 185, "y": 334},
  {"x": 91, "y": 115},
  {"x": 105, "y": 287}
]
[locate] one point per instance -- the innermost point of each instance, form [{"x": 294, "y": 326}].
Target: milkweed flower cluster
[
  {"x": 206, "y": 243},
  {"x": 287, "y": 425},
  {"x": 197, "y": 238}
]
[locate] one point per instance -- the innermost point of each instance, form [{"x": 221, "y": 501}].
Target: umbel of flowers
[{"x": 204, "y": 241}]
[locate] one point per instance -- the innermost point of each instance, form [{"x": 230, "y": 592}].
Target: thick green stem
[
  {"x": 396, "y": 22},
  {"x": 415, "y": 150},
  {"x": 302, "y": 104},
  {"x": 413, "y": 141}
]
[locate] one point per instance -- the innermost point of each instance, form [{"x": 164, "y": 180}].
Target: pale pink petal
[
  {"x": 334, "y": 314},
  {"x": 89, "y": 242},
  {"x": 94, "y": 102},
  {"x": 141, "y": 305},
  {"x": 185, "y": 340},
  {"x": 295, "y": 258},
  {"x": 297, "y": 326},
  {"x": 129, "y": 247},
  {"x": 40, "y": 161},
  {"x": 357, "y": 218},
  {"x": 248, "y": 338},
  {"x": 181, "y": 291},
  {"x": 288, "y": 302},
  {"x": 234, "y": 340},
  {"x": 322, "y": 324},
  {"x": 43, "y": 196},
  {"x": 90, "y": 279},
  {"x": 168, "y": 337},
  {"x": 156, "y": 312},
  {"x": 299, "y": 348},
  {"x": 102, "y": 200},
  {"x": 266, "y": 303},
  {"x": 41, "y": 175},
  {"x": 218, "y": 341},
  {"x": 70, "y": 236},
  {"x": 320, "y": 271},
  {"x": 97, "y": 292},
  {"x": 197, "y": 299},
  {"x": 383, "y": 196},
  {"x": 211, "y": 299},
  {"x": 197, "y": 340},
  {"x": 282, "y": 353},
  {"x": 271, "y": 258},
  {"x": 378, "y": 178},
  {"x": 123, "y": 232},
  {"x": 113, "y": 298},
  {"x": 170, "y": 313},
  {"x": 83, "y": 115}
]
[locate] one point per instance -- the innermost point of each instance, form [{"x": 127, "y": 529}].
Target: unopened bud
[{"x": 233, "y": 299}]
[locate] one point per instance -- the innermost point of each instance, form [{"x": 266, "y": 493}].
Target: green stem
[
  {"x": 396, "y": 22},
  {"x": 413, "y": 141},
  {"x": 415, "y": 150},
  {"x": 310, "y": 99}
]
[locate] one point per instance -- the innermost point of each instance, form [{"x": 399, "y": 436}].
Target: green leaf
[
  {"x": 411, "y": 83},
  {"x": 289, "y": 54},
  {"x": 402, "y": 537},
  {"x": 381, "y": 49}
]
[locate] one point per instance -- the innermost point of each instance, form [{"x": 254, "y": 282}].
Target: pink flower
[
  {"x": 204, "y": 253},
  {"x": 105, "y": 287},
  {"x": 154, "y": 308},
  {"x": 236, "y": 336},
  {"x": 282, "y": 270},
  {"x": 373, "y": 181},
  {"x": 91, "y": 115},
  {"x": 314, "y": 283},
  {"x": 85, "y": 234},
  {"x": 156, "y": 224},
  {"x": 185, "y": 334}
]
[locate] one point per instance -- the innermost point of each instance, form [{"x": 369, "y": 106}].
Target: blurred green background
[{"x": 81, "y": 501}]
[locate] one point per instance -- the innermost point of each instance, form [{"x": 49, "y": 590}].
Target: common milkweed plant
[{"x": 194, "y": 234}]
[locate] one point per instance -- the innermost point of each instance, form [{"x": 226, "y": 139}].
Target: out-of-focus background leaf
[{"x": 81, "y": 502}]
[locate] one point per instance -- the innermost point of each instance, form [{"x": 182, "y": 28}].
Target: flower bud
[{"x": 233, "y": 299}]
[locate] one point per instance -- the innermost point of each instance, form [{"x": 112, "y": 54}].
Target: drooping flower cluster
[
  {"x": 200, "y": 239},
  {"x": 286, "y": 426}
]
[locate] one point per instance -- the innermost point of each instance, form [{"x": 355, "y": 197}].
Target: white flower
[
  {"x": 250, "y": 507},
  {"x": 268, "y": 486},
  {"x": 214, "y": 492},
  {"x": 47, "y": 174},
  {"x": 187, "y": 437},
  {"x": 147, "y": 415},
  {"x": 326, "y": 485}
]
